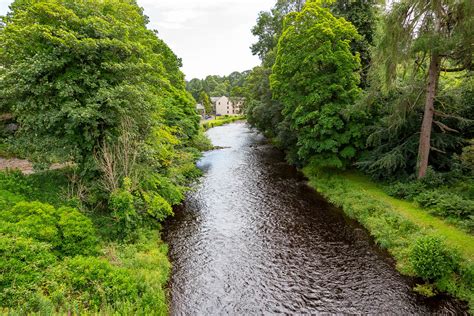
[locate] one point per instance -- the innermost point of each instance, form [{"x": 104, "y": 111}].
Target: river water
[{"x": 252, "y": 238}]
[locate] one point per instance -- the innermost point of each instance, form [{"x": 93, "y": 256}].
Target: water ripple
[{"x": 252, "y": 238}]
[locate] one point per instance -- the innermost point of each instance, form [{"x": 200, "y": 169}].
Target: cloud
[{"x": 212, "y": 37}]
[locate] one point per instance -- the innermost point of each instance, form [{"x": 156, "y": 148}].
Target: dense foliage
[
  {"x": 315, "y": 78},
  {"x": 86, "y": 84},
  {"x": 306, "y": 98},
  {"x": 74, "y": 72},
  {"x": 216, "y": 86},
  {"x": 59, "y": 259}
]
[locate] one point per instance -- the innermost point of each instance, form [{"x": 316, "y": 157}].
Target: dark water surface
[{"x": 254, "y": 239}]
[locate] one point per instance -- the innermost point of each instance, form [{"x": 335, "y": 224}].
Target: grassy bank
[
  {"x": 56, "y": 258},
  {"x": 221, "y": 120},
  {"x": 440, "y": 255}
]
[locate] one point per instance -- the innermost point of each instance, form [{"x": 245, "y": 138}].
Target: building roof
[
  {"x": 215, "y": 99},
  {"x": 199, "y": 106}
]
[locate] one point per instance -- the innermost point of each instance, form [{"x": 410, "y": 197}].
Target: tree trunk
[{"x": 425, "y": 134}]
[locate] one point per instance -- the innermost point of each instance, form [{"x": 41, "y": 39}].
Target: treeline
[
  {"x": 385, "y": 90},
  {"x": 216, "y": 86},
  {"x": 88, "y": 85},
  {"x": 349, "y": 84}
]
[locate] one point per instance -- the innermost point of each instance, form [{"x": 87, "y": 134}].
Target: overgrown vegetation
[
  {"x": 85, "y": 83},
  {"x": 387, "y": 90},
  {"x": 217, "y": 86},
  {"x": 60, "y": 259}
]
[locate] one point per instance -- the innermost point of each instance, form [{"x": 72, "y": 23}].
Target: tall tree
[
  {"x": 206, "y": 102},
  {"x": 270, "y": 25},
  {"x": 75, "y": 71},
  {"x": 434, "y": 35},
  {"x": 363, "y": 15},
  {"x": 263, "y": 111},
  {"x": 315, "y": 77}
]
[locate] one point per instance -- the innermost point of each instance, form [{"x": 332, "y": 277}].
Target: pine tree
[{"x": 432, "y": 33}]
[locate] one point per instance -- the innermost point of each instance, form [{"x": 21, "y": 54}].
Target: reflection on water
[{"x": 252, "y": 238}]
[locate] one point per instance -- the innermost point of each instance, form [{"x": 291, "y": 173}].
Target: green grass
[{"x": 452, "y": 235}]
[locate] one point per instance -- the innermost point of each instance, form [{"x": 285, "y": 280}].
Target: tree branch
[
  {"x": 444, "y": 128},
  {"x": 442, "y": 114},
  {"x": 438, "y": 150},
  {"x": 453, "y": 69}
]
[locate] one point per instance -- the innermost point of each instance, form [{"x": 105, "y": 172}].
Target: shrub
[
  {"x": 15, "y": 182},
  {"x": 156, "y": 206},
  {"x": 164, "y": 187},
  {"x": 427, "y": 290},
  {"x": 434, "y": 179},
  {"x": 122, "y": 204},
  {"x": 68, "y": 231},
  {"x": 467, "y": 157},
  {"x": 91, "y": 282},
  {"x": 406, "y": 190},
  {"x": 22, "y": 265},
  {"x": 36, "y": 220},
  {"x": 8, "y": 199},
  {"x": 430, "y": 258},
  {"x": 446, "y": 204},
  {"x": 77, "y": 232}
]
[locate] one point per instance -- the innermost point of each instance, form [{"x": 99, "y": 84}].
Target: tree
[
  {"x": 195, "y": 87},
  {"x": 205, "y": 101},
  {"x": 315, "y": 77},
  {"x": 261, "y": 109},
  {"x": 270, "y": 24},
  {"x": 363, "y": 15},
  {"x": 435, "y": 34},
  {"x": 74, "y": 71}
]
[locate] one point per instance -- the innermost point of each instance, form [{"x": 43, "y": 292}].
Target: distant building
[{"x": 227, "y": 106}]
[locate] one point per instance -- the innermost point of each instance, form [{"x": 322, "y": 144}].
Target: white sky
[{"x": 211, "y": 36}]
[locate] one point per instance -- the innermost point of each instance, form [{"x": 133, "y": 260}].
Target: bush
[
  {"x": 77, "y": 232},
  {"x": 163, "y": 186},
  {"x": 434, "y": 179},
  {"x": 35, "y": 220},
  {"x": 430, "y": 258},
  {"x": 8, "y": 199},
  {"x": 68, "y": 231},
  {"x": 15, "y": 182},
  {"x": 91, "y": 282},
  {"x": 122, "y": 205},
  {"x": 23, "y": 262},
  {"x": 156, "y": 206},
  {"x": 406, "y": 190},
  {"x": 446, "y": 204}
]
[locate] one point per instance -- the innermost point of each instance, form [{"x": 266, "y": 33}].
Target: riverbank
[
  {"x": 424, "y": 246},
  {"x": 221, "y": 120},
  {"x": 59, "y": 258}
]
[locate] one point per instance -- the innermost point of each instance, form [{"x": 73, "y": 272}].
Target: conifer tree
[{"x": 436, "y": 35}]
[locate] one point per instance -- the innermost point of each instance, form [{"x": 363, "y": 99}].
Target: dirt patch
[{"x": 23, "y": 165}]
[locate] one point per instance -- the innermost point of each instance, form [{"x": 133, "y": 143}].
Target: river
[{"x": 253, "y": 238}]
